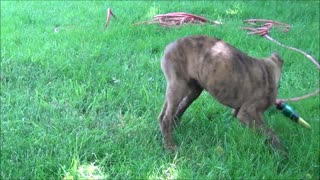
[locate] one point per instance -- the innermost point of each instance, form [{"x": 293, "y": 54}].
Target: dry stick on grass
[
  {"x": 178, "y": 19},
  {"x": 264, "y": 31},
  {"x": 109, "y": 13}
]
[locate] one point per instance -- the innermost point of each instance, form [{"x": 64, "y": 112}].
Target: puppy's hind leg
[
  {"x": 193, "y": 94},
  {"x": 164, "y": 108},
  {"x": 174, "y": 94},
  {"x": 235, "y": 112}
]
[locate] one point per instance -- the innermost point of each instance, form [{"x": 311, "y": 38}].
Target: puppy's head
[{"x": 277, "y": 65}]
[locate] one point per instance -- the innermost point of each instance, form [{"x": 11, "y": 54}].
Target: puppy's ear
[
  {"x": 274, "y": 54},
  {"x": 276, "y": 58}
]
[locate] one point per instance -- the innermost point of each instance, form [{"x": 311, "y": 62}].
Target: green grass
[{"x": 85, "y": 101}]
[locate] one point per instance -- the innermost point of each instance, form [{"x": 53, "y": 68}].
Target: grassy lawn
[{"x": 83, "y": 101}]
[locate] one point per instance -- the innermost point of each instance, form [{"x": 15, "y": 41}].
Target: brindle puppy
[{"x": 246, "y": 84}]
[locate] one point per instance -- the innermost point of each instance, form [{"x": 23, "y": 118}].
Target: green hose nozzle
[{"x": 290, "y": 113}]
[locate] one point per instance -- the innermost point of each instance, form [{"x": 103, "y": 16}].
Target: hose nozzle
[{"x": 291, "y": 114}]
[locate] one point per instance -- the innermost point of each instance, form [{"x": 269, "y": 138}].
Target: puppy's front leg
[{"x": 249, "y": 114}]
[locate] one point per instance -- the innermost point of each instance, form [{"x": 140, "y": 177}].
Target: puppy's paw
[
  {"x": 277, "y": 148},
  {"x": 172, "y": 148}
]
